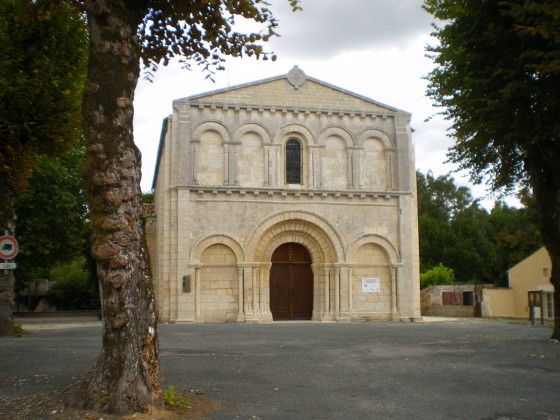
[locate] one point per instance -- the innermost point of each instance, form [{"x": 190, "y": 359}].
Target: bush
[
  {"x": 73, "y": 287},
  {"x": 437, "y": 275}
]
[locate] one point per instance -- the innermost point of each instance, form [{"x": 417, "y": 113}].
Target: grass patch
[
  {"x": 174, "y": 402},
  {"x": 19, "y": 331}
]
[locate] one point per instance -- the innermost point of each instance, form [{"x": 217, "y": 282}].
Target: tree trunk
[
  {"x": 126, "y": 377},
  {"x": 544, "y": 174},
  {"x": 7, "y": 281}
]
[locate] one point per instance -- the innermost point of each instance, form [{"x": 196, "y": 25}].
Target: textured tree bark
[
  {"x": 7, "y": 281},
  {"x": 544, "y": 173},
  {"x": 125, "y": 378}
]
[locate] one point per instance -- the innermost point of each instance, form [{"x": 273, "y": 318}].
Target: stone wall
[
  {"x": 221, "y": 193},
  {"x": 433, "y": 302}
]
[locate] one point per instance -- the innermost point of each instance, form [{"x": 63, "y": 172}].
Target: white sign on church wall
[{"x": 370, "y": 285}]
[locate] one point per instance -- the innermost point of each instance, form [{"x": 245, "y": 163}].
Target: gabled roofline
[
  {"x": 286, "y": 76},
  {"x": 524, "y": 260},
  {"x": 160, "y": 150},
  {"x": 294, "y": 72}
]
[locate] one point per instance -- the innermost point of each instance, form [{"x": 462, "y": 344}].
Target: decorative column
[
  {"x": 327, "y": 287},
  {"x": 279, "y": 172},
  {"x": 255, "y": 275},
  {"x": 362, "y": 162},
  {"x": 241, "y": 299},
  {"x": 266, "y": 166},
  {"x": 235, "y": 164},
  {"x": 349, "y": 168},
  {"x": 264, "y": 285},
  {"x": 320, "y": 168},
  {"x": 247, "y": 284},
  {"x": 226, "y": 164},
  {"x": 350, "y": 297},
  {"x": 394, "y": 293},
  {"x": 344, "y": 301},
  {"x": 356, "y": 169},
  {"x": 313, "y": 167},
  {"x": 316, "y": 269},
  {"x": 389, "y": 158},
  {"x": 194, "y": 162},
  {"x": 336, "y": 292},
  {"x": 310, "y": 176},
  {"x": 197, "y": 286}
]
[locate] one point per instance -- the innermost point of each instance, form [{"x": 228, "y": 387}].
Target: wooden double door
[{"x": 291, "y": 283}]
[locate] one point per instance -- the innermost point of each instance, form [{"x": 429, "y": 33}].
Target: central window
[{"x": 293, "y": 161}]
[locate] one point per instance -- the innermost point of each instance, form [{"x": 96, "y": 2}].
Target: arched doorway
[{"x": 291, "y": 283}]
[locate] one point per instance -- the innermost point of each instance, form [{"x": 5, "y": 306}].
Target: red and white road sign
[{"x": 8, "y": 247}]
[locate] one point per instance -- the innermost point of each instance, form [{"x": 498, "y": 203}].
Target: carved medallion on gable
[{"x": 296, "y": 77}]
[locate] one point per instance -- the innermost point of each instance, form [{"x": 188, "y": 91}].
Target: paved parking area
[{"x": 467, "y": 369}]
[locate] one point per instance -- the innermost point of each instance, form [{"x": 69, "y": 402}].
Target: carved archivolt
[
  {"x": 337, "y": 131},
  {"x": 252, "y": 128},
  {"x": 313, "y": 224},
  {"x": 377, "y": 134},
  {"x": 319, "y": 248},
  {"x": 213, "y": 239},
  {"x": 294, "y": 128},
  {"x": 211, "y": 126},
  {"x": 374, "y": 238}
]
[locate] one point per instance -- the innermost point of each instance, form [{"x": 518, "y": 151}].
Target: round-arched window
[{"x": 293, "y": 161}]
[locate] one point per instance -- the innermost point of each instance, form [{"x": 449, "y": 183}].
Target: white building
[{"x": 286, "y": 198}]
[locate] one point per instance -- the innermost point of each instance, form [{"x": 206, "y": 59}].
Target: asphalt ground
[{"x": 467, "y": 369}]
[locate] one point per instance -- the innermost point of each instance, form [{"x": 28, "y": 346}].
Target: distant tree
[
  {"x": 473, "y": 256},
  {"x": 53, "y": 225},
  {"x": 148, "y": 197},
  {"x": 436, "y": 239},
  {"x": 515, "y": 235},
  {"x": 42, "y": 75},
  {"x": 73, "y": 288},
  {"x": 453, "y": 229},
  {"x": 497, "y": 79},
  {"x": 441, "y": 198}
]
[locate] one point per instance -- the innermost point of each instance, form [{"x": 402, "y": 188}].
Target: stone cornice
[
  {"x": 284, "y": 109},
  {"x": 280, "y": 193}
]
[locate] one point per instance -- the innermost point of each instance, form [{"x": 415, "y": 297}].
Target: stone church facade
[{"x": 284, "y": 199}]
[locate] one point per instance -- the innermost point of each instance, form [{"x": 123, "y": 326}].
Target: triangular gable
[
  {"x": 294, "y": 90},
  {"x": 538, "y": 255}
]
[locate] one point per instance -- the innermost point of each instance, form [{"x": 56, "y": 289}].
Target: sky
[{"x": 375, "y": 48}]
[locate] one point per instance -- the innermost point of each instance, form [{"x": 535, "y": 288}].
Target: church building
[{"x": 285, "y": 199}]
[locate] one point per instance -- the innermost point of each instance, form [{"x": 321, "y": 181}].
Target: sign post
[{"x": 8, "y": 250}]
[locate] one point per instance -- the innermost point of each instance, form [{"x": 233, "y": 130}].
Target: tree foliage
[
  {"x": 73, "y": 288},
  {"x": 515, "y": 236},
  {"x": 452, "y": 229},
  {"x": 497, "y": 80},
  {"x": 44, "y": 58},
  {"x": 457, "y": 232},
  {"x": 204, "y": 32},
  {"x": 43, "y": 51},
  {"x": 53, "y": 225},
  {"x": 440, "y": 198},
  {"x": 438, "y": 274}
]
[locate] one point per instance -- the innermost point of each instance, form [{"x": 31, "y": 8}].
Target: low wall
[
  {"x": 432, "y": 302},
  {"x": 59, "y": 314},
  {"x": 455, "y": 311},
  {"x": 498, "y": 302}
]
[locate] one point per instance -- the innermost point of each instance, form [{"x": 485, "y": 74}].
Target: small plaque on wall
[{"x": 370, "y": 285}]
